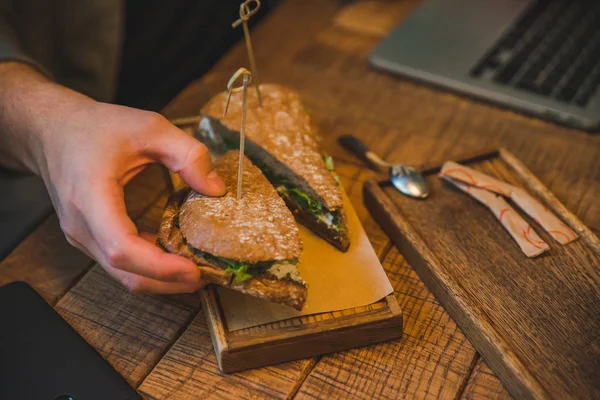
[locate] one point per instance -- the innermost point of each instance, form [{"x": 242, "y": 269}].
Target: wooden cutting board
[{"x": 536, "y": 322}]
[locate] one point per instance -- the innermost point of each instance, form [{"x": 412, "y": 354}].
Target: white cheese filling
[
  {"x": 327, "y": 219},
  {"x": 286, "y": 270}
]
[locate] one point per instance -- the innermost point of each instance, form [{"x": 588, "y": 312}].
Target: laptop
[{"x": 537, "y": 57}]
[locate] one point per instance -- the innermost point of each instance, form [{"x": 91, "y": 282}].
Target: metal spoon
[{"x": 405, "y": 178}]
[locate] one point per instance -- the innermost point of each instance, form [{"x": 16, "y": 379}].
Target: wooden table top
[{"x": 161, "y": 344}]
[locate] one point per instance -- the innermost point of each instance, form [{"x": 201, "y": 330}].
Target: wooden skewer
[
  {"x": 245, "y": 13},
  {"x": 246, "y": 79}
]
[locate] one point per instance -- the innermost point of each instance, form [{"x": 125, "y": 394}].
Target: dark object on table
[
  {"x": 538, "y": 57},
  {"x": 42, "y": 357}
]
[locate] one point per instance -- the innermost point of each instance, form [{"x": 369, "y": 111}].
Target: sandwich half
[
  {"x": 251, "y": 245},
  {"x": 280, "y": 141}
]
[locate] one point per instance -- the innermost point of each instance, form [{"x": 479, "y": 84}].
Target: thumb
[{"x": 185, "y": 155}]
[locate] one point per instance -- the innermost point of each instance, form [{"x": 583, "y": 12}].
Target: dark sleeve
[{"x": 10, "y": 50}]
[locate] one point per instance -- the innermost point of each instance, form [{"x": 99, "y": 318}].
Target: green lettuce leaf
[
  {"x": 305, "y": 200},
  {"x": 241, "y": 274},
  {"x": 329, "y": 163}
]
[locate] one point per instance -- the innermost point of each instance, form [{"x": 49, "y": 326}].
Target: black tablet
[{"x": 42, "y": 357}]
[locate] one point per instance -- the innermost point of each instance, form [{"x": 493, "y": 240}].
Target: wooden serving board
[
  {"x": 299, "y": 337},
  {"x": 536, "y": 322}
]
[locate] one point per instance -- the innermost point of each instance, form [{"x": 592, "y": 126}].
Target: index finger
[{"x": 121, "y": 246}]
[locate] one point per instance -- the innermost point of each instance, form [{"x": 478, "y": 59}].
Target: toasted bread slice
[
  {"x": 251, "y": 245},
  {"x": 280, "y": 141}
]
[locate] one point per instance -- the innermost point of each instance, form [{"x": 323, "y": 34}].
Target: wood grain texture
[
  {"x": 307, "y": 319},
  {"x": 130, "y": 331},
  {"x": 483, "y": 384},
  {"x": 189, "y": 371},
  {"x": 495, "y": 293},
  {"x": 300, "y": 337},
  {"x": 321, "y": 50},
  {"x": 433, "y": 358},
  {"x": 381, "y": 16}
]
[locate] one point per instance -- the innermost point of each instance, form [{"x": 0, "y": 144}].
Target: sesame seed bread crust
[
  {"x": 266, "y": 287},
  {"x": 281, "y": 127},
  {"x": 259, "y": 227},
  {"x": 275, "y": 290},
  {"x": 169, "y": 239}
]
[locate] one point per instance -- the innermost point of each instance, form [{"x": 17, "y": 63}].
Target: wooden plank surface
[
  {"x": 301, "y": 337},
  {"x": 433, "y": 358},
  {"x": 189, "y": 370},
  {"x": 415, "y": 124},
  {"x": 483, "y": 384},
  {"x": 130, "y": 331},
  {"x": 320, "y": 48},
  {"x": 535, "y": 320}
]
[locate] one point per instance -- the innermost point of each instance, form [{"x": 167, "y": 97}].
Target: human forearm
[
  {"x": 14, "y": 151},
  {"x": 27, "y": 101},
  {"x": 86, "y": 151}
]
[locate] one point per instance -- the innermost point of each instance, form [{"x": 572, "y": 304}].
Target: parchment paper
[{"x": 336, "y": 280}]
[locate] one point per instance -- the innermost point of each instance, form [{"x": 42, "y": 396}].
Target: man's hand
[{"x": 86, "y": 152}]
